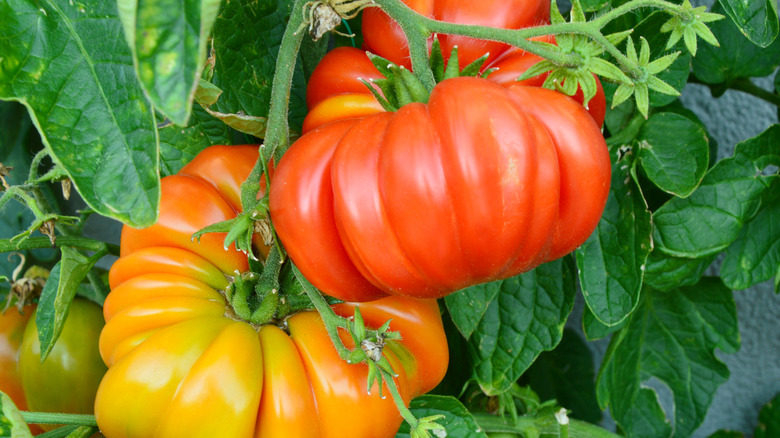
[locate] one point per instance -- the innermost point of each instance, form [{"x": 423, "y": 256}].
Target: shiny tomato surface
[
  {"x": 182, "y": 365},
  {"x": 481, "y": 183}
]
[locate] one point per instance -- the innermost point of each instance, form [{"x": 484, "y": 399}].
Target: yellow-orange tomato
[{"x": 180, "y": 363}]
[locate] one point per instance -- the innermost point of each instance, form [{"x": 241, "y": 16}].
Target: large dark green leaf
[
  {"x": 247, "y": 35},
  {"x": 757, "y": 19},
  {"x": 458, "y": 421},
  {"x": 665, "y": 272},
  {"x": 178, "y": 146},
  {"x": 168, "y": 41},
  {"x": 67, "y": 63},
  {"x": 611, "y": 261},
  {"x": 755, "y": 256},
  {"x": 468, "y": 306},
  {"x": 525, "y": 318},
  {"x": 711, "y": 218},
  {"x": 676, "y": 162},
  {"x": 736, "y": 57},
  {"x": 670, "y": 337}
]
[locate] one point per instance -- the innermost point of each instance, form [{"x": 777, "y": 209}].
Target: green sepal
[
  {"x": 472, "y": 70},
  {"x": 607, "y": 70},
  {"x": 589, "y": 87},
  {"x": 577, "y": 13},
  {"x": 437, "y": 61},
  {"x": 623, "y": 92},
  {"x": 618, "y": 37},
  {"x": 386, "y": 104},
  {"x": 657, "y": 84},
  {"x": 537, "y": 69},
  {"x": 662, "y": 63},
  {"x": 384, "y": 66},
  {"x": 358, "y": 327},
  {"x": 453, "y": 65},
  {"x": 555, "y": 13},
  {"x": 416, "y": 89}
]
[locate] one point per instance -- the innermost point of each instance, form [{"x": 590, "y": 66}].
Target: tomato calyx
[{"x": 401, "y": 87}]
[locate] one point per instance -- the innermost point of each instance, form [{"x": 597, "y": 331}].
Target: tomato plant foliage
[{"x": 124, "y": 100}]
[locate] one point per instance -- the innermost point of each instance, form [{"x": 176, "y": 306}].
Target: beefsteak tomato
[
  {"x": 181, "y": 363},
  {"x": 481, "y": 183},
  {"x": 68, "y": 380}
]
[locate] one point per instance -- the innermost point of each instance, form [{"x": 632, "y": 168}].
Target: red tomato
[
  {"x": 482, "y": 183},
  {"x": 181, "y": 364},
  {"x": 384, "y": 37}
]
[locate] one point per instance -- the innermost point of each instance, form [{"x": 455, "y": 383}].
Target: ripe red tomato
[
  {"x": 67, "y": 381},
  {"x": 384, "y": 37},
  {"x": 481, "y": 183},
  {"x": 182, "y": 364}
]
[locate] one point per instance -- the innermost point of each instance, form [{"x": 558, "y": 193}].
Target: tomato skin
[
  {"x": 193, "y": 371},
  {"x": 67, "y": 381},
  {"x": 384, "y": 37},
  {"x": 12, "y": 324},
  {"x": 426, "y": 201}
]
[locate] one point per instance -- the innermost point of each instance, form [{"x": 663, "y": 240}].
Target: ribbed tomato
[
  {"x": 182, "y": 364},
  {"x": 481, "y": 183}
]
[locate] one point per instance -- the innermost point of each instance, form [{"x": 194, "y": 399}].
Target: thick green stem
[
  {"x": 399, "y": 401},
  {"x": 419, "y": 25},
  {"x": 332, "y": 321},
  {"x": 416, "y": 29},
  {"x": 72, "y": 241},
  {"x": 277, "y": 135},
  {"x": 544, "y": 425},
  {"x": 52, "y": 418}
]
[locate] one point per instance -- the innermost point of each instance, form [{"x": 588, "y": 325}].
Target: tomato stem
[
  {"x": 542, "y": 424},
  {"x": 56, "y": 418},
  {"x": 417, "y": 27},
  {"x": 7, "y": 245}
]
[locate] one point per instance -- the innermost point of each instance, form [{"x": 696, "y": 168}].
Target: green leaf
[
  {"x": 78, "y": 86},
  {"x": 756, "y": 19},
  {"x": 769, "y": 420},
  {"x": 252, "y": 125},
  {"x": 247, "y": 35},
  {"x": 676, "y": 164},
  {"x": 525, "y": 318},
  {"x": 207, "y": 93},
  {"x": 671, "y": 337},
  {"x": 12, "y": 424},
  {"x": 611, "y": 261},
  {"x": 595, "y": 329},
  {"x": 711, "y": 218},
  {"x": 57, "y": 295},
  {"x": 593, "y": 5},
  {"x": 178, "y": 146},
  {"x": 665, "y": 272},
  {"x": 168, "y": 41},
  {"x": 468, "y": 306},
  {"x": 736, "y": 57},
  {"x": 457, "y": 420},
  {"x": 754, "y": 257},
  {"x": 566, "y": 374}
]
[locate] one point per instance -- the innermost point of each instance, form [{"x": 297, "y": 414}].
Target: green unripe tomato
[{"x": 68, "y": 380}]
